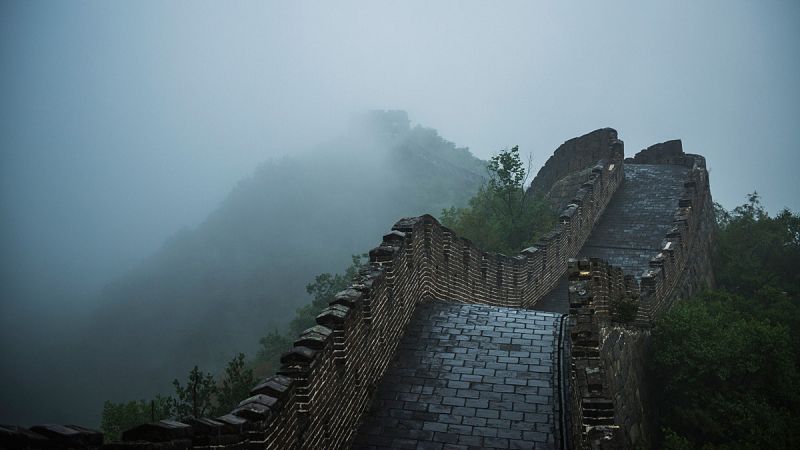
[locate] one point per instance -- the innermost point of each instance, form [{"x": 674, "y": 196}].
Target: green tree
[
  {"x": 118, "y": 417},
  {"x": 236, "y": 384},
  {"x": 755, "y": 250},
  {"x": 725, "y": 379},
  {"x": 727, "y": 363},
  {"x": 502, "y": 216},
  {"x": 322, "y": 291},
  {"x": 269, "y": 355},
  {"x": 506, "y": 181},
  {"x": 196, "y": 398},
  {"x": 756, "y": 257}
]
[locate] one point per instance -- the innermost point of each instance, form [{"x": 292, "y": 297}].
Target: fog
[{"x": 123, "y": 123}]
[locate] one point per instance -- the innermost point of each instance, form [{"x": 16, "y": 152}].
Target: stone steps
[{"x": 633, "y": 225}]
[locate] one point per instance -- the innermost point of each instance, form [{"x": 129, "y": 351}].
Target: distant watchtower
[{"x": 385, "y": 123}]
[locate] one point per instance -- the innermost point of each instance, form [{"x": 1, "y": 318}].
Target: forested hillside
[{"x": 213, "y": 291}]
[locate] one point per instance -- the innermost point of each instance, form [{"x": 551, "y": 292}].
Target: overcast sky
[{"x": 122, "y": 122}]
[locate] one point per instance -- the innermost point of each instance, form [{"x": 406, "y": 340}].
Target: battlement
[{"x": 607, "y": 378}]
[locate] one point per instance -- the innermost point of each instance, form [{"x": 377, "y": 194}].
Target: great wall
[{"x": 440, "y": 345}]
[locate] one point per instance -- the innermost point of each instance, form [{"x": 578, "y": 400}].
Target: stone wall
[
  {"x": 607, "y": 376},
  {"x": 345, "y": 356},
  {"x": 683, "y": 266},
  {"x": 563, "y": 190},
  {"x": 669, "y": 152},
  {"x": 592, "y": 285},
  {"x": 624, "y": 353},
  {"x": 576, "y": 155},
  {"x": 608, "y": 385}
]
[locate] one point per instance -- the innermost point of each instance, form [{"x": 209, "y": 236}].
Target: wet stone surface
[
  {"x": 468, "y": 377},
  {"x": 638, "y": 217},
  {"x": 632, "y": 227}
]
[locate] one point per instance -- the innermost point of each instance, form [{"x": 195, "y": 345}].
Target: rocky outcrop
[{"x": 575, "y": 155}]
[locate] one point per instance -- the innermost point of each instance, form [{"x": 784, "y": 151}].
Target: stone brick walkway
[
  {"x": 468, "y": 377},
  {"x": 638, "y": 217},
  {"x": 632, "y": 227}
]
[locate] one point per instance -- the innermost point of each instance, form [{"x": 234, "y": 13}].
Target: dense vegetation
[
  {"x": 202, "y": 394},
  {"x": 725, "y": 367},
  {"x": 502, "y": 216},
  {"x": 322, "y": 290}
]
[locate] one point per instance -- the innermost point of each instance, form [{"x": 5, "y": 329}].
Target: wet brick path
[
  {"x": 632, "y": 227},
  {"x": 638, "y": 217},
  {"x": 468, "y": 377}
]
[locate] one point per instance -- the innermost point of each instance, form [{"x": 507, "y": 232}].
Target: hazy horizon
[{"x": 183, "y": 99}]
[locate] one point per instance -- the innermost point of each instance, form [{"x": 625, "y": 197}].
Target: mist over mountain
[
  {"x": 213, "y": 291},
  {"x": 140, "y": 236}
]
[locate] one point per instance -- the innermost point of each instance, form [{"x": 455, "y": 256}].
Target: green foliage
[
  {"x": 755, "y": 250},
  {"x": 502, "y": 217},
  {"x": 725, "y": 363},
  {"x": 322, "y": 290},
  {"x": 674, "y": 442},
  {"x": 269, "y": 355},
  {"x": 724, "y": 377},
  {"x": 625, "y": 309},
  {"x": 118, "y": 417},
  {"x": 236, "y": 384},
  {"x": 506, "y": 175},
  {"x": 196, "y": 398},
  {"x": 757, "y": 257},
  {"x": 201, "y": 396}
]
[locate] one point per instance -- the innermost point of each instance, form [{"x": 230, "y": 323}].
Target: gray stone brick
[
  {"x": 496, "y": 442},
  {"x": 460, "y": 429},
  {"x": 464, "y": 411},
  {"x": 484, "y": 431},
  {"x": 509, "y": 433},
  {"x": 534, "y": 436},
  {"x": 435, "y": 426},
  {"x": 487, "y": 413},
  {"x": 466, "y": 384},
  {"x": 472, "y": 441},
  {"x": 477, "y": 403},
  {"x": 467, "y": 393},
  {"x": 458, "y": 384},
  {"x": 474, "y": 421},
  {"x": 512, "y": 415},
  {"x": 450, "y": 418},
  {"x": 449, "y": 438}
]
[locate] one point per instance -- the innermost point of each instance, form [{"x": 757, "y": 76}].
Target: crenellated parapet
[
  {"x": 593, "y": 285},
  {"x": 608, "y": 382},
  {"x": 682, "y": 266}
]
